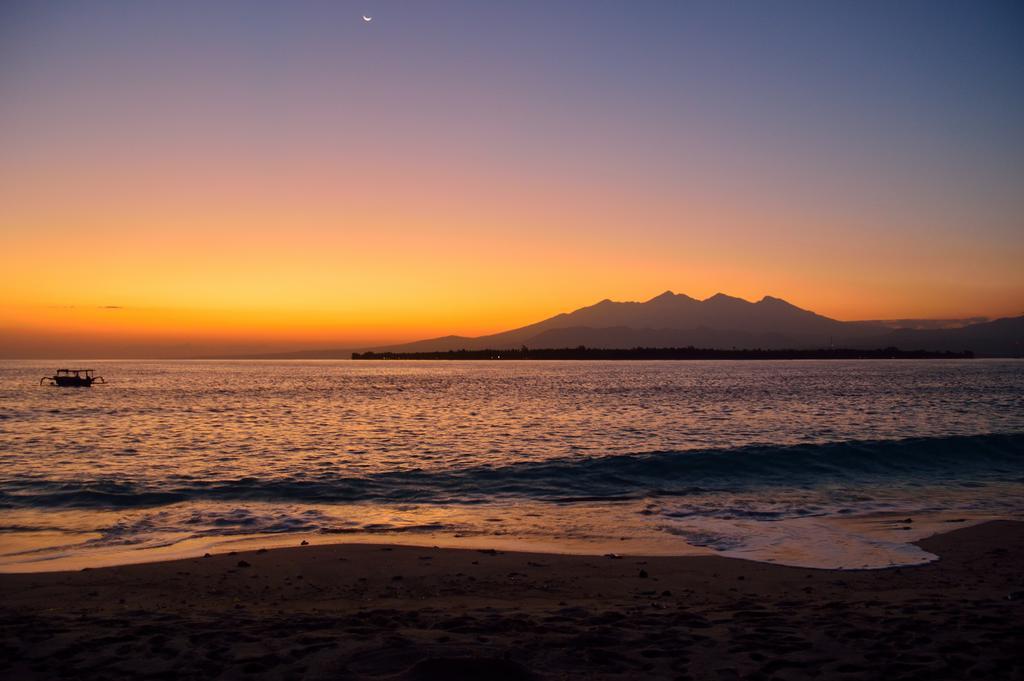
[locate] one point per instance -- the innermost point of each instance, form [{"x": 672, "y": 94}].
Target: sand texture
[{"x": 392, "y": 612}]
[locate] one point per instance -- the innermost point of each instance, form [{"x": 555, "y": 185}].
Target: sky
[{"x": 189, "y": 177}]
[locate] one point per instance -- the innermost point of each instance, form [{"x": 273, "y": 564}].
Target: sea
[{"x": 818, "y": 464}]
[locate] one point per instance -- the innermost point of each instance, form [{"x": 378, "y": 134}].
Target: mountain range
[{"x": 721, "y": 322}]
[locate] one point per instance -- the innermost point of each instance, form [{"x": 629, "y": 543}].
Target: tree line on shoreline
[{"x": 691, "y": 353}]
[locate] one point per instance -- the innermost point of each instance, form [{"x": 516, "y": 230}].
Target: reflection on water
[{"x": 760, "y": 459}]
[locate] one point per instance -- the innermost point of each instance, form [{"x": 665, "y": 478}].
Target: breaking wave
[{"x": 958, "y": 460}]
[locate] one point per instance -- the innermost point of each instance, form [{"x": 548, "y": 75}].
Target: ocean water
[{"x": 812, "y": 463}]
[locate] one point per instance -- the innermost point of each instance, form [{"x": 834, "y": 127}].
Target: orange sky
[{"x": 207, "y": 194}]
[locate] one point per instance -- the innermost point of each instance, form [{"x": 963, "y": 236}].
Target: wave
[{"x": 960, "y": 460}]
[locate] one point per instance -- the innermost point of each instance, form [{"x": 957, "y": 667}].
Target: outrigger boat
[{"x": 73, "y": 378}]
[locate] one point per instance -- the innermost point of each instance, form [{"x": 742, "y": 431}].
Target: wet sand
[{"x": 347, "y": 611}]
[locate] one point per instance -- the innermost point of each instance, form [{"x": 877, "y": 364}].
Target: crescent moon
[{"x": 367, "y": 19}]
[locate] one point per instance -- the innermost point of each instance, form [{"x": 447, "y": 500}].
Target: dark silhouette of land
[
  {"x": 583, "y": 352},
  {"x": 719, "y": 323},
  {"x": 673, "y": 320}
]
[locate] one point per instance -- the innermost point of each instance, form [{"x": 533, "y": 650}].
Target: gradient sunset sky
[{"x": 187, "y": 177}]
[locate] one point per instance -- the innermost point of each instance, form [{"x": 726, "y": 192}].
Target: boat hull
[{"x": 73, "y": 382}]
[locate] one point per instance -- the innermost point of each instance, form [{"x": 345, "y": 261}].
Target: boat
[{"x": 73, "y": 378}]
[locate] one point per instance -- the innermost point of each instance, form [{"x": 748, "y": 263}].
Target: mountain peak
[
  {"x": 722, "y": 298},
  {"x": 667, "y": 295}
]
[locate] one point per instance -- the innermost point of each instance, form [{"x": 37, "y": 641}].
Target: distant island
[
  {"x": 690, "y": 353},
  {"x": 722, "y": 322},
  {"x": 678, "y": 326}
]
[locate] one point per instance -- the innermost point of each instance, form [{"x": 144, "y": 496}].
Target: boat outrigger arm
[{"x": 82, "y": 378}]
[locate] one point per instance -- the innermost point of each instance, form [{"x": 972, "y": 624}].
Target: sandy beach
[{"x": 376, "y": 611}]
